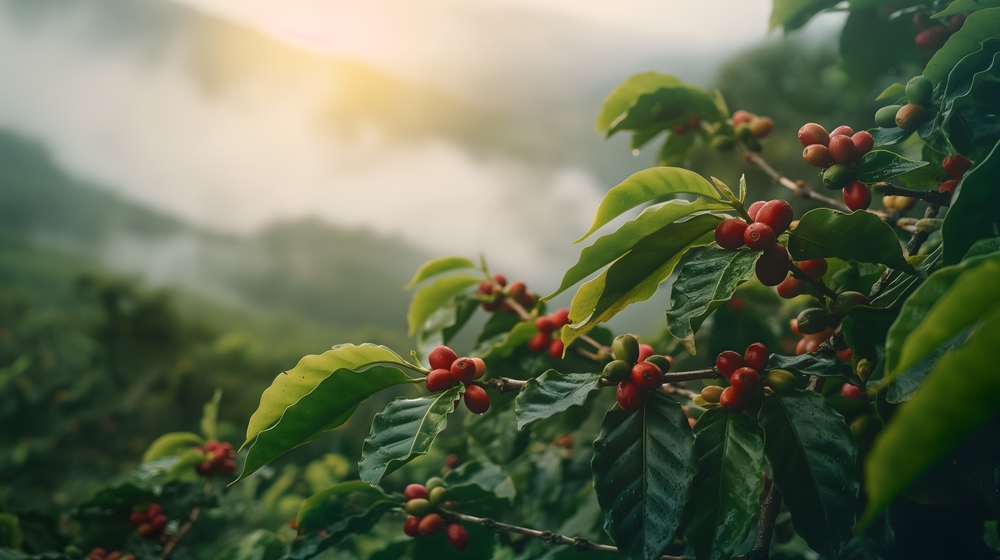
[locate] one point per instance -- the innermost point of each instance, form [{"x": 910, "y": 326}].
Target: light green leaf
[
  {"x": 793, "y": 14},
  {"x": 11, "y": 530},
  {"x": 210, "y": 416},
  {"x": 504, "y": 344},
  {"x": 975, "y": 208},
  {"x": 704, "y": 283},
  {"x": 891, "y": 93},
  {"x": 552, "y": 393},
  {"x": 666, "y": 107},
  {"x": 438, "y": 266},
  {"x": 185, "y": 464},
  {"x": 404, "y": 430},
  {"x": 171, "y": 444},
  {"x": 675, "y": 149},
  {"x": 858, "y": 236},
  {"x": 979, "y": 26},
  {"x": 430, "y": 298},
  {"x": 625, "y": 95},
  {"x": 648, "y": 185},
  {"x": 882, "y": 165},
  {"x": 963, "y": 6}
]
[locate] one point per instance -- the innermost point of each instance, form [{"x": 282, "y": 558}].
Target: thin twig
[
  {"x": 192, "y": 517},
  {"x": 508, "y": 385},
  {"x": 579, "y": 543},
  {"x": 769, "y": 511}
]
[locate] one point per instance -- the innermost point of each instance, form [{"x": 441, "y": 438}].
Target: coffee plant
[{"x": 580, "y": 442}]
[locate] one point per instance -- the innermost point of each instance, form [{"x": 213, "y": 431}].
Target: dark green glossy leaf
[
  {"x": 610, "y": 247},
  {"x": 648, "y": 185},
  {"x": 793, "y": 14},
  {"x": 858, "y": 236},
  {"x": 812, "y": 455},
  {"x": 866, "y": 65},
  {"x": 636, "y": 276},
  {"x": 624, "y": 96},
  {"x": 492, "y": 436},
  {"x": 643, "y": 464},
  {"x": 553, "y": 392},
  {"x": 430, "y": 298},
  {"x": 960, "y": 394},
  {"x": 901, "y": 285},
  {"x": 975, "y": 208},
  {"x": 725, "y": 490},
  {"x": 328, "y": 516},
  {"x": 979, "y": 26},
  {"x": 438, "y": 266},
  {"x": 882, "y": 165},
  {"x": 970, "y": 113},
  {"x": 258, "y": 545},
  {"x": 865, "y": 328},
  {"x": 889, "y": 136},
  {"x": 704, "y": 283},
  {"x": 810, "y": 364},
  {"x": 481, "y": 488},
  {"x": 404, "y": 430}
]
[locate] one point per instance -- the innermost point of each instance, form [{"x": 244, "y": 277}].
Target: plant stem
[
  {"x": 931, "y": 196},
  {"x": 192, "y": 517},
  {"x": 508, "y": 385},
  {"x": 769, "y": 511},
  {"x": 814, "y": 282},
  {"x": 579, "y": 543}
]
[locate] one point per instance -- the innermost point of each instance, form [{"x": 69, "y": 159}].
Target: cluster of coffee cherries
[
  {"x": 422, "y": 503},
  {"x": 792, "y": 287},
  {"x": 498, "y": 295},
  {"x": 149, "y": 523},
  {"x": 447, "y": 370},
  {"x": 686, "y": 126},
  {"x": 898, "y": 204},
  {"x": 743, "y": 373},
  {"x": 932, "y": 34},
  {"x": 919, "y": 91},
  {"x": 220, "y": 458},
  {"x": 816, "y": 324},
  {"x": 747, "y": 125},
  {"x": 955, "y": 166},
  {"x": 836, "y": 152},
  {"x": 636, "y": 368},
  {"x": 99, "y": 553},
  {"x": 770, "y": 219},
  {"x": 548, "y": 326}
]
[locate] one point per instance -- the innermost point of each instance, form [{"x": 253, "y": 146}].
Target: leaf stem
[
  {"x": 508, "y": 385},
  {"x": 814, "y": 282}
]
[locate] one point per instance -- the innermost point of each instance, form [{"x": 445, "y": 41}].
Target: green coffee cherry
[
  {"x": 919, "y": 90},
  {"x": 813, "y": 320},
  {"x": 660, "y": 361},
  {"x": 743, "y": 132},
  {"x": 434, "y": 482},
  {"x": 625, "y": 347},
  {"x": 418, "y": 507},
  {"x": 437, "y": 495},
  {"x": 754, "y": 145},
  {"x": 836, "y": 176},
  {"x": 865, "y": 369},
  {"x": 722, "y": 143},
  {"x": 617, "y": 370},
  {"x": 847, "y": 301},
  {"x": 780, "y": 380},
  {"x": 886, "y": 116},
  {"x": 711, "y": 394}
]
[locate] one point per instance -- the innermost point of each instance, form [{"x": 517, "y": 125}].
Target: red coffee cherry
[
  {"x": 791, "y": 287},
  {"x": 948, "y": 186},
  {"x": 921, "y": 20},
  {"x": 629, "y": 395},
  {"x": 777, "y": 214},
  {"x": 807, "y": 345},
  {"x": 956, "y": 22},
  {"x": 153, "y": 510},
  {"x": 745, "y": 381},
  {"x": 729, "y": 233},
  {"x": 137, "y": 518},
  {"x": 146, "y": 531},
  {"x": 500, "y": 279},
  {"x": 741, "y": 116},
  {"x": 863, "y": 142},
  {"x": 430, "y": 524},
  {"x": 756, "y": 356},
  {"x": 728, "y": 362},
  {"x": 476, "y": 399},
  {"x": 647, "y": 376},
  {"x": 759, "y": 236},
  {"x": 410, "y": 526},
  {"x": 645, "y": 351},
  {"x": 442, "y": 357},
  {"x": 457, "y": 536},
  {"x": 842, "y": 130},
  {"x": 772, "y": 266},
  {"x": 849, "y": 391},
  {"x": 842, "y": 149},
  {"x": 932, "y": 38},
  {"x": 414, "y": 491},
  {"x": 817, "y": 155},
  {"x": 814, "y": 268},
  {"x": 517, "y": 289},
  {"x": 114, "y": 555},
  {"x": 463, "y": 370},
  {"x": 544, "y": 324},
  {"x": 556, "y": 349},
  {"x": 732, "y": 400},
  {"x": 158, "y": 523},
  {"x": 845, "y": 355},
  {"x": 485, "y": 288},
  {"x": 527, "y": 300},
  {"x": 956, "y": 166},
  {"x": 761, "y": 127},
  {"x": 754, "y": 208},
  {"x": 560, "y": 318},
  {"x": 539, "y": 342},
  {"x": 857, "y": 196},
  {"x": 439, "y": 380},
  {"x": 812, "y": 134}
]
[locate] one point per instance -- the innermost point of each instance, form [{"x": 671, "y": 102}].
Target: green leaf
[
  {"x": 666, "y": 107},
  {"x": 438, "y": 266},
  {"x": 117, "y": 497},
  {"x": 725, "y": 490},
  {"x": 889, "y": 136},
  {"x": 812, "y": 455},
  {"x": 895, "y": 91},
  {"x": 185, "y": 464},
  {"x": 961, "y": 393},
  {"x": 793, "y": 14},
  {"x": 336, "y": 512},
  {"x": 173, "y": 443},
  {"x": 810, "y": 364},
  {"x": 636, "y": 276},
  {"x": 553, "y": 392},
  {"x": 948, "y": 302},
  {"x": 430, "y": 298},
  {"x": 675, "y": 149},
  {"x": 612, "y": 246},
  {"x": 404, "y": 430},
  {"x": 905, "y": 384},
  {"x": 978, "y": 27},
  {"x": 970, "y": 112},
  {"x": 210, "y": 416},
  {"x": 963, "y": 6},
  {"x": 704, "y": 283},
  {"x": 10, "y": 531},
  {"x": 858, "y": 236},
  {"x": 504, "y": 344},
  {"x": 480, "y": 487},
  {"x": 648, "y": 185},
  {"x": 882, "y": 165},
  {"x": 625, "y": 95},
  {"x": 258, "y": 545},
  {"x": 643, "y": 464},
  {"x": 444, "y": 324},
  {"x": 975, "y": 208}
]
